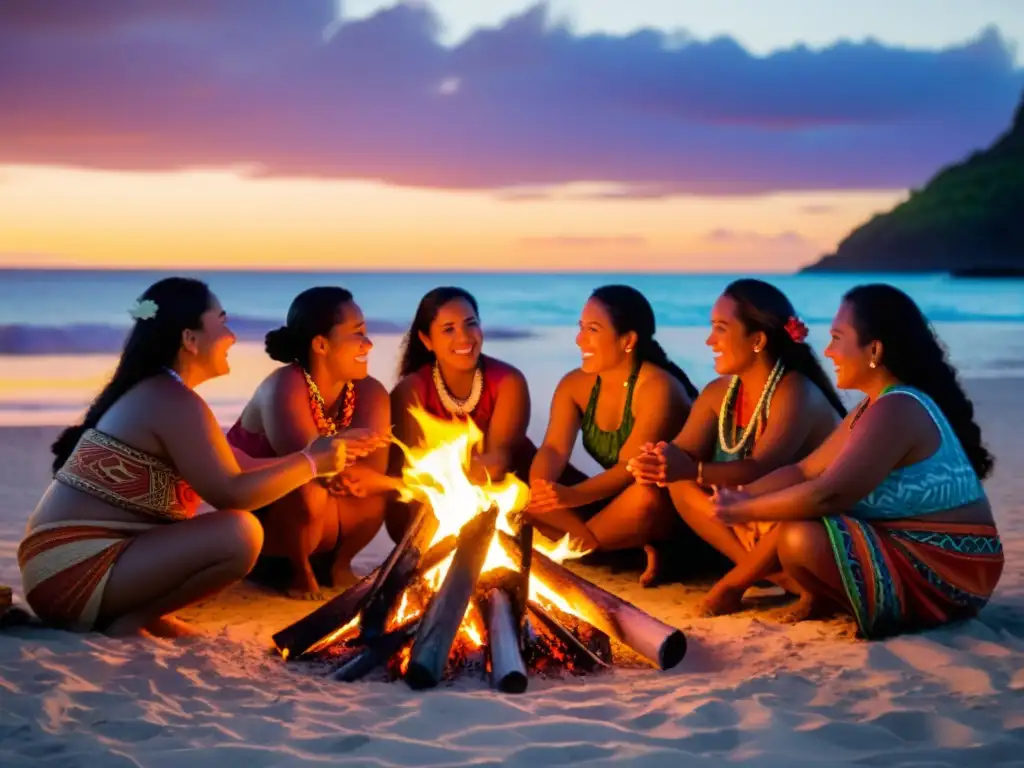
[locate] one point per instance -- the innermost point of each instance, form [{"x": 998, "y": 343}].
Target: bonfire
[{"x": 470, "y": 586}]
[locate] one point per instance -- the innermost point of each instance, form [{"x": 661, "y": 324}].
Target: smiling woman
[
  {"x": 445, "y": 372},
  {"x": 323, "y": 389}
]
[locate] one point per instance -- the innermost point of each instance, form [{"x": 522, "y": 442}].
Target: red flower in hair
[{"x": 796, "y": 329}]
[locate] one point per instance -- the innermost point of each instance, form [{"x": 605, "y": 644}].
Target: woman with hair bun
[
  {"x": 116, "y": 544},
  {"x": 323, "y": 388}
]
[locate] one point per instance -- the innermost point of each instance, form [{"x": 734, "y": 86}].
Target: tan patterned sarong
[{"x": 65, "y": 567}]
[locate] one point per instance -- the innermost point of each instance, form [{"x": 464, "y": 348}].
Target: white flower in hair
[{"x": 144, "y": 309}]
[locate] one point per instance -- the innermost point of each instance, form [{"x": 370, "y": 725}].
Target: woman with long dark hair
[
  {"x": 115, "y": 543},
  {"x": 887, "y": 519},
  {"x": 625, "y": 394},
  {"x": 771, "y": 406},
  {"x": 444, "y": 371},
  {"x": 323, "y": 388}
]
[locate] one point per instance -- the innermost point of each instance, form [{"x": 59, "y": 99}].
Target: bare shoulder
[
  {"x": 716, "y": 388},
  {"x": 511, "y": 377},
  {"x": 168, "y": 405},
  {"x": 654, "y": 381},
  {"x": 371, "y": 391},
  {"x": 574, "y": 384},
  {"x": 282, "y": 385}
]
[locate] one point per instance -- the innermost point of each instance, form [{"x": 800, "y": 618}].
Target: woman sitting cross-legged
[
  {"x": 887, "y": 519},
  {"x": 445, "y": 372},
  {"x": 626, "y": 393},
  {"x": 115, "y": 543},
  {"x": 323, "y": 389},
  {"x": 772, "y": 405}
]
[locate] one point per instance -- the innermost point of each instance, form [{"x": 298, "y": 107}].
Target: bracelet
[
  {"x": 700, "y": 473},
  {"x": 312, "y": 462}
]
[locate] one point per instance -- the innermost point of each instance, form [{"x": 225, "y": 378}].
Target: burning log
[
  {"x": 396, "y": 572},
  {"x": 580, "y": 656},
  {"x": 589, "y": 636},
  {"x": 376, "y": 653},
  {"x": 310, "y": 631},
  {"x": 661, "y": 644},
  {"x": 508, "y": 672},
  {"x": 440, "y": 623},
  {"x": 520, "y": 592}
]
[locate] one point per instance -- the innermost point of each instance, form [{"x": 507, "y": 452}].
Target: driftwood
[
  {"x": 440, "y": 623},
  {"x": 395, "y": 574},
  {"x": 508, "y": 672},
  {"x": 662, "y": 645},
  {"x": 313, "y": 632},
  {"x": 376, "y": 653},
  {"x": 579, "y": 656}
]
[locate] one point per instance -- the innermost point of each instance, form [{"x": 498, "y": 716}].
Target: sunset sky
[{"x": 619, "y": 135}]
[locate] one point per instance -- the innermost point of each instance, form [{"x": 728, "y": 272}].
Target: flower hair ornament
[
  {"x": 144, "y": 309},
  {"x": 796, "y": 329}
]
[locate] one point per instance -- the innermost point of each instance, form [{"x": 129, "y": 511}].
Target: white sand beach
[{"x": 750, "y": 690}]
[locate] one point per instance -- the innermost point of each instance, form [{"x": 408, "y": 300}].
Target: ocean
[{"x": 60, "y": 330}]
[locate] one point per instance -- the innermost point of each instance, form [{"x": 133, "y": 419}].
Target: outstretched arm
[{"x": 885, "y": 435}]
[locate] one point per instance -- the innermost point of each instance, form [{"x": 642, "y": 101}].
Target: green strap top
[{"x": 604, "y": 446}]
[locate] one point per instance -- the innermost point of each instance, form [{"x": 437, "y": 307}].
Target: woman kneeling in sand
[
  {"x": 625, "y": 394},
  {"x": 887, "y": 519},
  {"x": 445, "y": 372},
  {"x": 771, "y": 406},
  {"x": 114, "y": 544},
  {"x": 322, "y": 390}
]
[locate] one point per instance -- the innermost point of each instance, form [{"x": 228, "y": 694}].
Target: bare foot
[
  {"x": 304, "y": 585},
  {"x": 808, "y": 607},
  {"x": 342, "y": 576},
  {"x": 722, "y": 599},
  {"x": 168, "y": 626},
  {"x": 651, "y": 577}
]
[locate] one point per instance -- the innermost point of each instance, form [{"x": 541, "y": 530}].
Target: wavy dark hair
[
  {"x": 913, "y": 353},
  {"x": 312, "y": 313},
  {"x": 630, "y": 311},
  {"x": 762, "y": 307},
  {"x": 414, "y": 352},
  {"x": 152, "y": 345}
]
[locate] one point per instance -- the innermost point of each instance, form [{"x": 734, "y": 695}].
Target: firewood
[
  {"x": 440, "y": 623},
  {"x": 579, "y": 656},
  {"x": 508, "y": 672},
  {"x": 662, "y": 645}
]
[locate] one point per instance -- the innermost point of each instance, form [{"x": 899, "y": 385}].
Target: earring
[
  {"x": 872, "y": 364},
  {"x": 628, "y": 350},
  {"x": 757, "y": 350}
]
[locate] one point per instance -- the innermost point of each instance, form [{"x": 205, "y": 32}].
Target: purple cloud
[{"x": 167, "y": 84}]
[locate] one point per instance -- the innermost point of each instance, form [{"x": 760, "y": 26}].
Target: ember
[{"x": 467, "y": 588}]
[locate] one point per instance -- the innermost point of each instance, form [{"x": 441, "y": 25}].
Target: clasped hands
[{"x": 660, "y": 464}]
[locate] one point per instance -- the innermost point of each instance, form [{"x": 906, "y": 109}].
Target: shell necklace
[
  {"x": 763, "y": 404},
  {"x": 452, "y": 404}
]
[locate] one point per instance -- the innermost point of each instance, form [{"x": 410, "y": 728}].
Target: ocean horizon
[{"x": 61, "y": 329}]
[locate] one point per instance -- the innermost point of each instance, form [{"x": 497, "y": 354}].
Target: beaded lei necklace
[
  {"x": 732, "y": 401},
  {"x": 452, "y": 404},
  {"x": 326, "y": 425}
]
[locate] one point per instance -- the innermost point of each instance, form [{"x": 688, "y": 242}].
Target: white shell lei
[
  {"x": 763, "y": 403},
  {"x": 453, "y": 405}
]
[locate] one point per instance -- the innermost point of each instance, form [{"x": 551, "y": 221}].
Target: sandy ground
[{"x": 749, "y": 690}]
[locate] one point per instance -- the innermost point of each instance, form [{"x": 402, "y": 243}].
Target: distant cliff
[{"x": 968, "y": 218}]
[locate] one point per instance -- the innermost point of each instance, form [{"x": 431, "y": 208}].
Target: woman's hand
[
  {"x": 728, "y": 506},
  {"x": 546, "y": 496},
  {"x": 660, "y": 464},
  {"x": 360, "y": 443},
  {"x": 361, "y": 482},
  {"x": 329, "y": 454}
]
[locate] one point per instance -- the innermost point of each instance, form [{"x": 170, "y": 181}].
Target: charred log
[
  {"x": 508, "y": 672},
  {"x": 558, "y": 641},
  {"x": 440, "y": 623},
  {"x": 662, "y": 645},
  {"x": 376, "y": 653}
]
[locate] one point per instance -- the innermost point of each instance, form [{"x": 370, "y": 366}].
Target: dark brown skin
[
  {"x": 312, "y": 520},
  {"x": 172, "y": 566},
  {"x": 800, "y": 419},
  {"x": 636, "y": 514},
  {"x": 893, "y": 432},
  {"x": 456, "y": 339}
]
